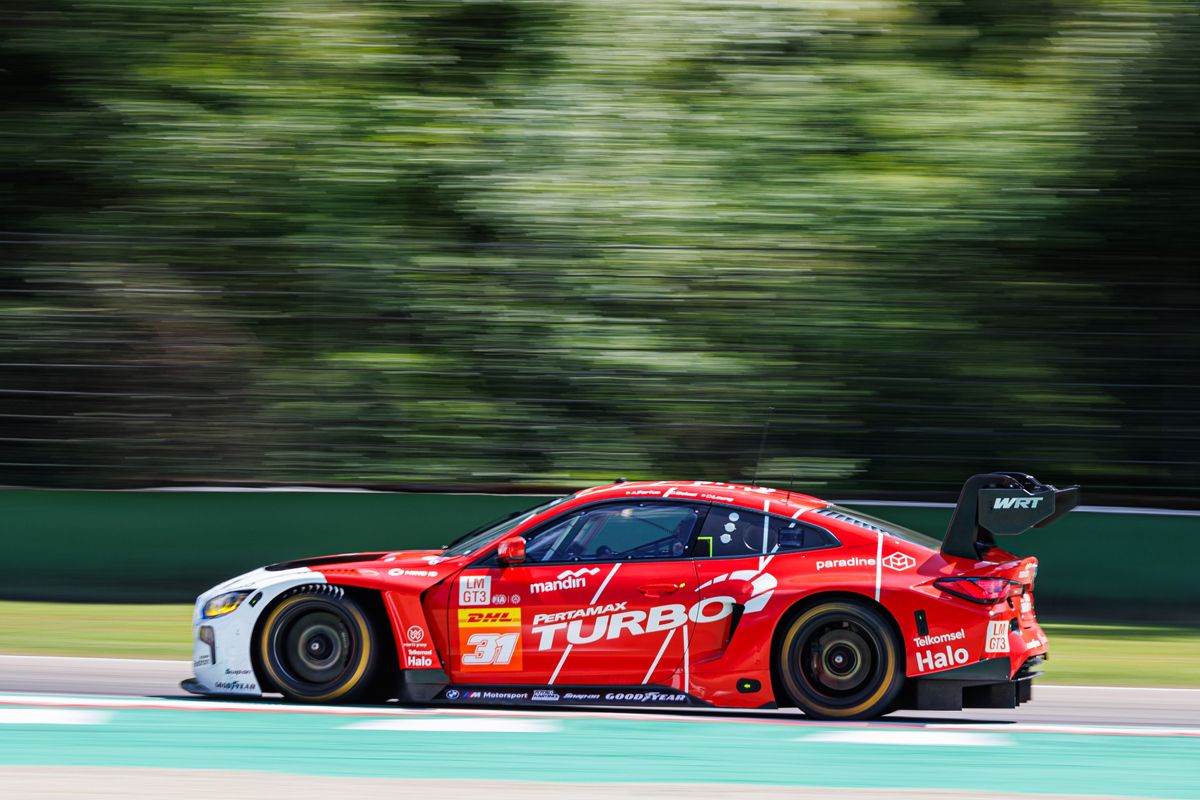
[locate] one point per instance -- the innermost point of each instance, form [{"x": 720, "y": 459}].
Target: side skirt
[{"x": 515, "y": 695}]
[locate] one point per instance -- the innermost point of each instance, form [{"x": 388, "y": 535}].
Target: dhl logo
[{"x": 489, "y": 617}]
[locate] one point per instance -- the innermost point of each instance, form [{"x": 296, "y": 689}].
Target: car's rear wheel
[
  {"x": 840, "y": 660},
  {"x": 317, "y": 645}
]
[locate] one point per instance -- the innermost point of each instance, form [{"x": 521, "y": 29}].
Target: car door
[
  {"x": 736, "y": 563},
  {"x": 603, "y": 597}
]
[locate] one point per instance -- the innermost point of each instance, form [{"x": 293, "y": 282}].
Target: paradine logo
[
  {"x": 416, "y": 633},
  {"x": 899, "y": 562}
]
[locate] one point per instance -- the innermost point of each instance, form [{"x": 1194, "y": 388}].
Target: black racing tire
[
  {"x": 318, "y": 645},
  {"x": 840, "y": 660}
]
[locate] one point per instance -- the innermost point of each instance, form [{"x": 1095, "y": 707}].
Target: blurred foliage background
[{"x": 519, "y": 241}]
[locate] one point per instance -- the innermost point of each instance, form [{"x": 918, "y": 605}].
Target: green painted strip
[
  {"x": 169, "y": 546},
  {"x": 591, "y": 749}
]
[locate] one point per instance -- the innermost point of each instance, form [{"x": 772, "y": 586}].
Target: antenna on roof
[{"x": 762, "y": 442}]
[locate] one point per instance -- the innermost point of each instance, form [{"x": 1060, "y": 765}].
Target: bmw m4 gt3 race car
[{"x": 655, "y": 593}]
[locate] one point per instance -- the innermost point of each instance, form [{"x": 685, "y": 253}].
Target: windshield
[
  {"x": 483, "y": 536},
  {"x": 880, "y": 525}
]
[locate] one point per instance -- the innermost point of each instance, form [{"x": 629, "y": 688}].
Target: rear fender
[{"x": 808, "y": 601}]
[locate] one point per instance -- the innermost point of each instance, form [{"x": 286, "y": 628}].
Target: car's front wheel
[
  {"x": 840, "y": 660},
  {"x": 317, "y": 645}
]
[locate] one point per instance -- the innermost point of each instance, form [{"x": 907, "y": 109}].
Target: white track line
[
  {"x": 1090, "y": 730},
  {"x": 35, "y": 701},
  {"x": 171, "y": 662},
  {"x": 1072, "y": 687},
  {"x": 909, "y": 738},
  {"x": 52, "y": 716},
  {"x": 378, "y": 712},
  {"x": 457, "y": 725}
]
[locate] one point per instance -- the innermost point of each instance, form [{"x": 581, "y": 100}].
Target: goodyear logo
[{"x": 489, "y": 617}]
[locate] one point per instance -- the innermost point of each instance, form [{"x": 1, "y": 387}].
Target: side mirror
[{"x": 511, "y": 551}]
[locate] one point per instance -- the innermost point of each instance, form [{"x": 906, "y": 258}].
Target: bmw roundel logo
[{"x": 452, "y": 694}]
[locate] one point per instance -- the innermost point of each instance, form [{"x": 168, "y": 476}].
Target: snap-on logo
[{"x": 1016, "y": 502}]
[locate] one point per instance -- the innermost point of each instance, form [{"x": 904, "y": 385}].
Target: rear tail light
[{"x": 979, "y": 590}]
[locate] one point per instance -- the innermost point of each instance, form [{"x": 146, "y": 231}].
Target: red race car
[{"x": 666, "y": 593}]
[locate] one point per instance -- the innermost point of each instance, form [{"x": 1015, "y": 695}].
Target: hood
[
  {"x": 318, "y": 561},
  {"x": 408, "y": 569}
]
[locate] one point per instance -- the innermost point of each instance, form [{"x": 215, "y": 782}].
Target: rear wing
[{"x": 1002, "y": 503}]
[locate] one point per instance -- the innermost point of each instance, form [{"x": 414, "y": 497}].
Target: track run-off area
[{"x": 95, "y": 727}]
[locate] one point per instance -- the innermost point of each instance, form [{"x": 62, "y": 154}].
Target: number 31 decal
[
  {"x": 490, "y": 648},
  {"x": 490, "y": 639}
]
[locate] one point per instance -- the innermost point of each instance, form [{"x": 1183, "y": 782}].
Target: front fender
[{"x": 221, "y": 647}]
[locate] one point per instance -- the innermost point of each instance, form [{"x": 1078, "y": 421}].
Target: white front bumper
[{"x": 222, "y": 664}]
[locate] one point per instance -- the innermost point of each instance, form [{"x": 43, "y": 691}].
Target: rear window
[
  {"x": 731, "y": 532},
  {"x": 880, "y": 526}
]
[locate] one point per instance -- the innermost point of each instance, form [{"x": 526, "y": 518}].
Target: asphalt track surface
[
  {"x": 120, "y": 728},
  {"x": 1052, "y": 705}
]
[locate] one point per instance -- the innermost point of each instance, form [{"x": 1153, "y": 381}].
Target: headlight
[{"x": 222, "y": 604}]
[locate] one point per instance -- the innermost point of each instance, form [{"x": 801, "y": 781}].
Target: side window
[
  {"x": 730, "y": 532},
  {"x": 616, "y": 532},
  {"x": 546, "y": 542},
  {"x": 792, "y": 535}
]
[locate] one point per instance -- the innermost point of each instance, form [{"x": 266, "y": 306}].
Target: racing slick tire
[
  {"x": 840, "y": 660},
  {"x": 318, "y": 645}
]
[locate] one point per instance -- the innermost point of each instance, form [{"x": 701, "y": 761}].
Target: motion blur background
[
  {"x": 548, "y": 243},
  {"x": 509, "y": 248}
]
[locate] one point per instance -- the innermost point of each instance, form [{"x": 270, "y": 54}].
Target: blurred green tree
[{"x": 553, "y": 242}]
